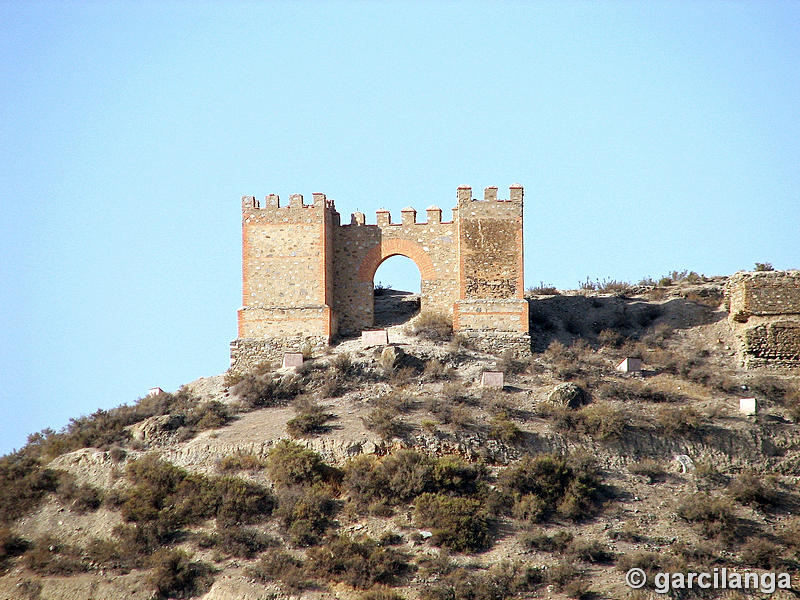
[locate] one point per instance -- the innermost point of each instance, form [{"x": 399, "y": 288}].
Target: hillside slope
[{"x": 408, "y": 479}]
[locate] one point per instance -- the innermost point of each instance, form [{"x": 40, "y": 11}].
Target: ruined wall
[
  {"x": 361, "y": 248},
  {"x": 764, "y": 293},
  {"x": 765, "y": 314}
]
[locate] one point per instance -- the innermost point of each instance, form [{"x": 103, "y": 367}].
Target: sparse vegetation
[
  {"x": 264, "y": 390},
  {"x": 432, "y": 326},
  {"x": 23, "y": 484},
  {"x": 175, "y": 575},
  {"x": 751, "y": 489},
  {"x": 389, "y": 517},
  {"x": 458, "y": 523},
  {"x": 241, "y": 462},
  {"x": 358, "y": 563},
  {"x": 281, "y": 566},
  {"x": 714, "y": 516},
  {"x": 163, "y": 499},
  {"x": 306, "y": 512},
  {"x": 549, "y": 484},
  {"x": 289, "y": 463},
  {"x": 649, "y": 468},
  {"x": 504, "y": 580},
  {"x": 311, "y": 418}
]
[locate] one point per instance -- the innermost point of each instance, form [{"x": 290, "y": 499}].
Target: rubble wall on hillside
[{"x": 765, "y": 315}]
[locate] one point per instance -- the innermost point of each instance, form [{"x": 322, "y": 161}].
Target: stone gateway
[{"x": 306, "y": 277}]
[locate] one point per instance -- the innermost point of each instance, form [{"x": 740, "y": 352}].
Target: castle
[{"x": 307, "y": 278}]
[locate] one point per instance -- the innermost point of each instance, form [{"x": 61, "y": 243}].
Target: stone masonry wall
[
  {"x": 490, "y": 263},
  {"x": 765, "y": 314},
  {"x": 284, "y": 268},
  {"x": 764, "y": 293},
  {"x": 361, "y": 248},
  {"x": 248, "y": 353}
]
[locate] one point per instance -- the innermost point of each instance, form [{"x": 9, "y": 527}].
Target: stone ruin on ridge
[
  {"x": 306, "y": 277},
  {"x": 764, "y": 312}
]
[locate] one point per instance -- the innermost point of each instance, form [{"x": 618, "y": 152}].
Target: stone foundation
[
  {"x": 248, "y": 353},
  {"x": 498, "y": 342},
  {"x": 772, "y": 344},
  {"x": 765, "y": 315}
]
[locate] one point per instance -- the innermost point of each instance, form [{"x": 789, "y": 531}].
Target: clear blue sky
[{"x": 648, "y": 136}]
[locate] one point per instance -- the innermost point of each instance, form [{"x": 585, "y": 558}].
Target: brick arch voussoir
[{"x": 380, "y": 252}]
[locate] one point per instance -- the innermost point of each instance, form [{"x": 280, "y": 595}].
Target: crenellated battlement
[
  {"x": 408, "y": 216},
  {"x": 295, "y": 202},
  {"x": 490, "y": 194}
]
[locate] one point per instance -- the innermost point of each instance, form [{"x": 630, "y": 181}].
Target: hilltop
[{"x": 383, "y": 473}]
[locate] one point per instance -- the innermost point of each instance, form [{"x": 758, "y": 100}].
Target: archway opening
[{"x": 397, "y": 284}]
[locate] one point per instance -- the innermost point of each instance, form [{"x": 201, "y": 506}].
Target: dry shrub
[
  {"x": 50, "y": 556},
  {"x": 505, "y": 430},
  {"x": 696, "y": 553},
  {"x": 561, "y": 574},
  {"x": 241, "y": 462},
  {"x": 382, "y": 421},
  {"x": 109, "y": 554},
  {"x": 381, "y": 593},
  {"x": 306, "y": 512},
  {"x": 436, "y": 370},
  {"x": 164, "y": 498},
  {"x": 175, "y": 575},
  {"x": 278, "y": 565},
  {"x": 707, "y": 470},
  {"x": 405, "y": 474},
  {"x": 358, "y": 563},
  {"x": 458, "y": 523},
  {"x": 432, "y": 326},
  {"x": 289, "y": 463},
  {"x": 635, "y": 390},
  {"x": 676, "y": 421},
  {"x": 610, "y": 338},
  {"x": 603, "y": 421},
  {"x": 267, "y": 389},
  {"x": 761, "y": 553},
  {"x": 454, "y": 391},
  {"x": 751, "y": 489},
  {"x": 650, "y": 562},
  {"x": 397, "y": 401},
  {"x": 790, "y": 534},
  {"x": 242, "y": 542},
  {"x": 647, "y": 467},
  {"x": 402, "y": 377},
  {"x": 509, "y": 363},
  {"x": 560, "y": 541},
  {"x": 503, "y": 580},
  {"x": 343, "y": 365},
  {"x": 714, "y": 516},
  {"x": 81, "y": 498},
  {"x": 549, "y": 484},
  {"x": 311, "y": 418},
  {"x": 542, "y": 290},
  {"x": 11, "y": 545}
]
